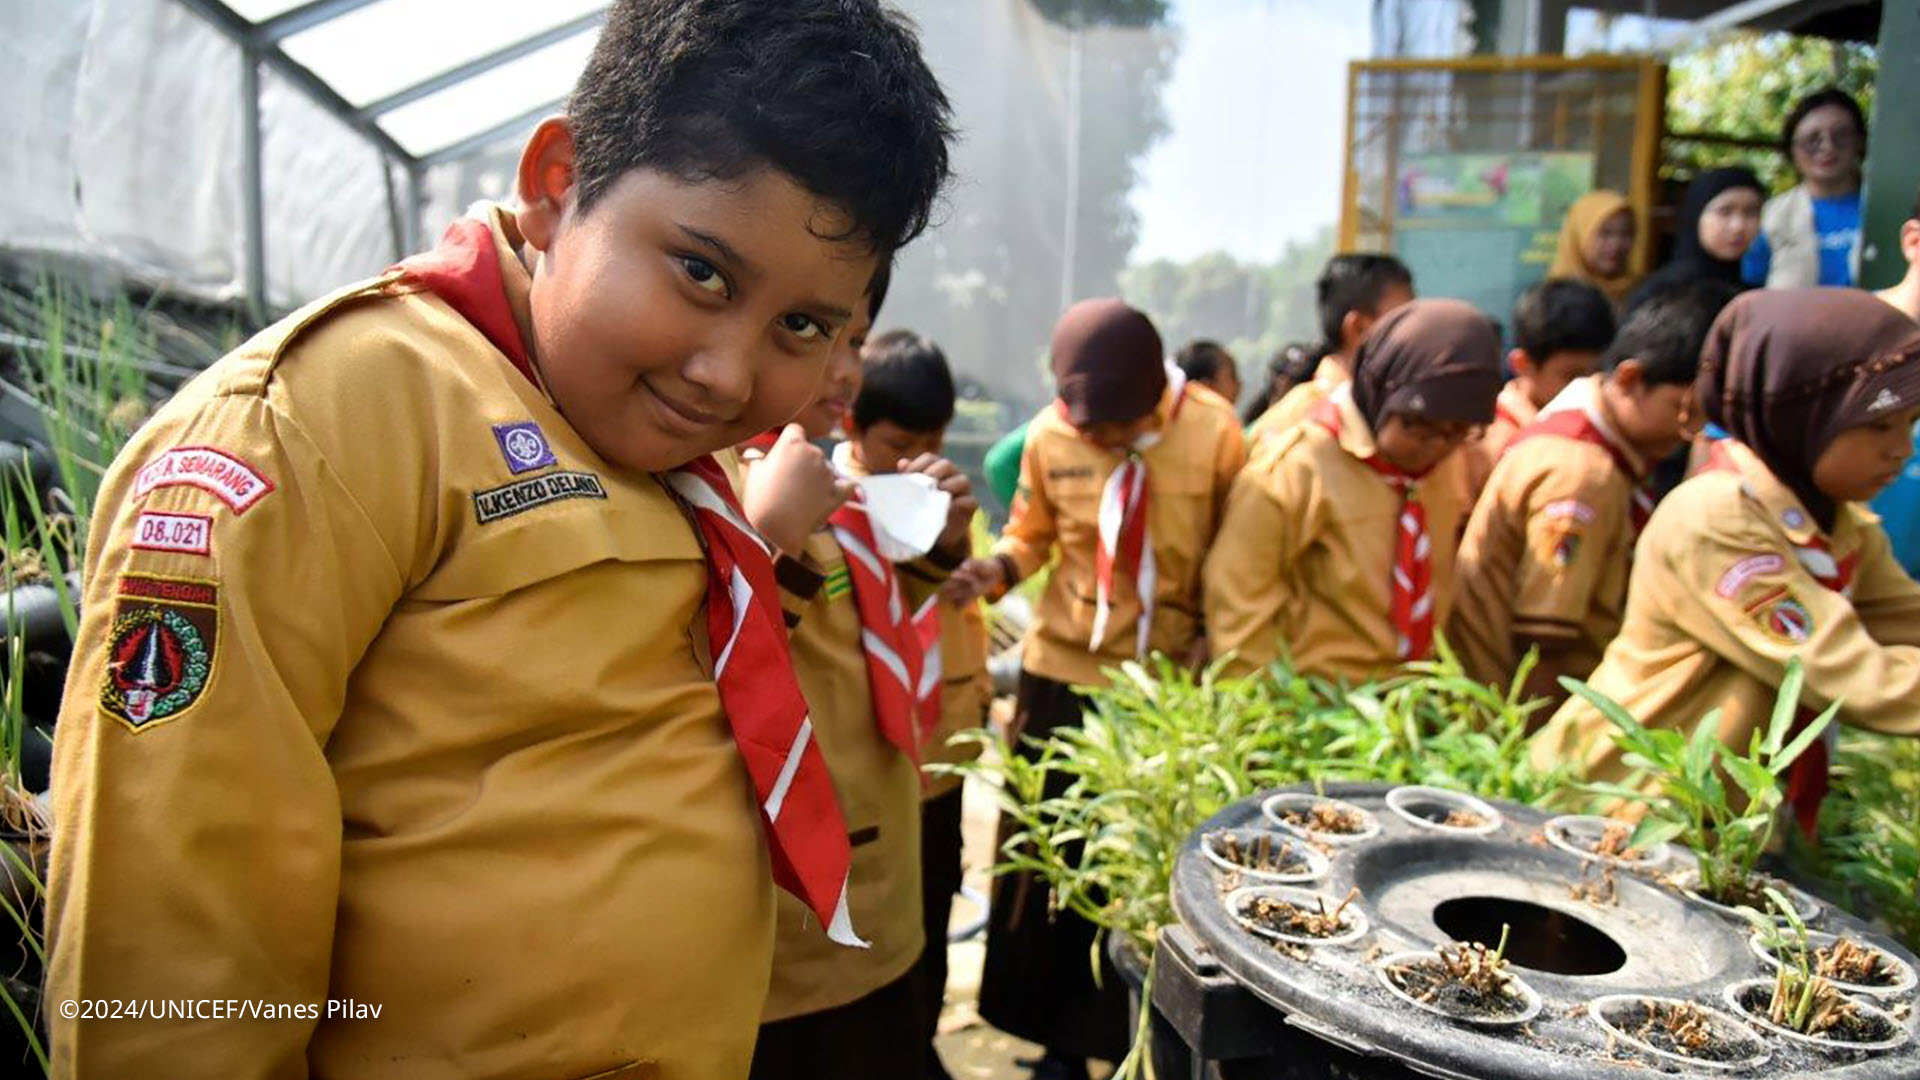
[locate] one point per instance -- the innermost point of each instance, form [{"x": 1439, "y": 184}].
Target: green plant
[
  {"x": 1683, "y": 782},
  {"x": 1870, "y": 829}
]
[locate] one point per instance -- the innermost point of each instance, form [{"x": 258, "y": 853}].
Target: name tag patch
[
  {"x": 523, "y": 495},
  {"x": 226, "y": 477},
  {"x": 161, "y": 648},
  {"x": 189, "y": 534}
]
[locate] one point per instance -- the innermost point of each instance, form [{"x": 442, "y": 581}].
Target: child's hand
[
  {"x": 975, "y": 578},
  {"x": 791, "y": 492},
  {"x": 955, "y": 536}
]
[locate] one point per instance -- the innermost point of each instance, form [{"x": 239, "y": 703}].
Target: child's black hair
[
  {"x": 1666, "y": 333},
  {"x": 833, "y": 93},
  {"x": 1561, "y": 315},
  {"x": 1200, "y": 359},
  {"x": 906, "y": 382},
  {"x": 1821, "y": 98},
  {"x": 1354, "y": 283}
]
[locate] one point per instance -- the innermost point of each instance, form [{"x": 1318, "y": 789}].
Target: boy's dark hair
[
  {"x": 907, "y": 382},
  {"x": 1821, "y": 98},
  {"x": 1561, "y": 315},
  {"x": 834, "y": 93},
  {"x": 1354, "y": 283},
  {"x": 1201, "y": 359},
  {"x": 1666, "y": 333}
]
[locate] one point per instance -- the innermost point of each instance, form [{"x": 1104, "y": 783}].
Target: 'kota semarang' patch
[{"x": 161, "y": 648}]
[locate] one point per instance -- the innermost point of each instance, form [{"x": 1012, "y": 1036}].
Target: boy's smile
[{"x": 674, "y": 318}]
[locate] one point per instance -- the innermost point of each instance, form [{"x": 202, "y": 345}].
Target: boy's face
[
  {"x": 884, "y": 444},
  {"x": 1656, "y": 418},
  {"x": 1415, "y": 445},
  {"x": 1862, "y": 461},
  {"x": 1226, "y": 380},
  {"x": 677, "y": 318},
  {"x": 1544, "y": 380},
  {"x": 832, "y": 401}
]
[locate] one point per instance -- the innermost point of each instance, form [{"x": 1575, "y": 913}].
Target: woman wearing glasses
[{"x": 1811, "y": 234}]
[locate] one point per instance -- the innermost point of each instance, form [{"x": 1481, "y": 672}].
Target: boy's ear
[
  {"x": 1629, "y": 375},
  {"x": 1520, "y": 362},
  {"x": 544, "y": 181},
  {"x": 1353, "y": 329},
  {"x": 1910, "y": 240}
]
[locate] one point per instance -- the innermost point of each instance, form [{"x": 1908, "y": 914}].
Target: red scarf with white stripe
[
  {"x": 1124, "y": 544},
  {"x": 1411, "y": 607},
  {"x": 1809, "y": 777},
  {"x": 903, "y": 652},
  {"x": 1576, "y": 424},
  {"x": 806, "y": 835}
]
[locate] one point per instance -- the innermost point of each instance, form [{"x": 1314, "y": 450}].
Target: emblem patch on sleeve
[
  {"x": 1741, "y": 574},
  {"x": 226, "y": 477},
  {"x": 1565, "y": 548},
  {"x": 1783, "y": 618},
  {"x": 1569, "y": 510},
  {"x": 523, "y": 495},
  {"x": 524, "y": 446},
  {"x": 160, "y": 648}
]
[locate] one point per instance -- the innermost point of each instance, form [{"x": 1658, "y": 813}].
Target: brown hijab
[
  {"x": 1435, "y": 359},
  {"x": 1107, "y": 363},
  {"x": 1785, "y": 371},
  {"x": 1584, "y": 218}
]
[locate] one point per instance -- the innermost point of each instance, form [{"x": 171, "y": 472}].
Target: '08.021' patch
[
  {"x": 507, "y": 500},
  {"x": 161, "y": 648}
]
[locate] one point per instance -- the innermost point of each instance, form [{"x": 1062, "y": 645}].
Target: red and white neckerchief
[
  {"x": 1123, "y": 540},
  {"x": 1809, "y": 777},
  {"x": 1412, "y": 602},
  {"x": 1574, "y": 415},
  {"x": 903, "y": 653},
  {"x": 806, "y": 835},
  {"x": 1513, "y": 408}
]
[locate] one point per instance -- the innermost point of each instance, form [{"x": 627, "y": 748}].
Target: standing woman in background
[
  {"x": 1596, "y": 244},
  {"x": 1811, "y": 234},
  {"x": 1719, "y": 221}
]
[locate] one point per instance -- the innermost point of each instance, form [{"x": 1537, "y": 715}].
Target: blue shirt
[{"x": 1836, "y": 224}]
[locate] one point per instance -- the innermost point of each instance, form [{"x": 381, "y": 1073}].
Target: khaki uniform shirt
[
  {"x": 1304, "y": 559},
  {"x": 879, "y": 791},
  {"x": 1721, "y": 600},
  {"x": 1546, "y": 552},
  {"x": 1296, "y": 403},
  {"x": 1058, "y": 506},
  {"x": 1512, "y": 410},
  {"x": 390, "y": 689}
]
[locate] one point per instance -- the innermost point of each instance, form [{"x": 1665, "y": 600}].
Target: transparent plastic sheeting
[{"x": 122, "y": 137}]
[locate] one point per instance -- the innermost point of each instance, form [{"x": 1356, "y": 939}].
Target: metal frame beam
[
  {"x": 493, "y": 134},
  {"x": 305, "y": 17},
  {"x": 479, "y": 64}
]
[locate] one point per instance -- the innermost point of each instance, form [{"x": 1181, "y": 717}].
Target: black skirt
[
  {"x": 878, "y": 1036},
  {"x": 1038, "y": 981}
]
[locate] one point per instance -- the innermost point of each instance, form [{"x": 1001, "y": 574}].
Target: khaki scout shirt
[
  {"x": 1512, "y": 410},
  {"x": 1721, "y": 600},
  {"x": 388, "y": 688},
  {"x": 879, "y": 791},
  {"x": 1296, "y": 403},
  {"x": 1058, "y": 507},
  {"x": 1546, "y": 552},
  {"x": 965, "y": 687},
  {"x": 1304, "y": 559}
]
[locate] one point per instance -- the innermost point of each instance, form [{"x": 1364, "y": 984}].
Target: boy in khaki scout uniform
[
  {"x": 1123, "y": 477},
  {"x": 1355, "y": 292},
  {"x": 1560, "y": 328},
  {"x": 900, "y": 416},
  {"x": 1544, "y": 561},
  {"x": 1338, "y": 544},
  {"x": 849, "y": 1014},
  {"x": 428, "y": 659},
  {"x": 1768, "y": 556}
]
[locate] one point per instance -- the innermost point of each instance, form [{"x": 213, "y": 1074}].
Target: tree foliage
[{"x": 1251, "y": 308}]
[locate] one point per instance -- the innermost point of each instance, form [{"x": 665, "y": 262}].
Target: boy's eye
[
  {"x": 803, "y": 327},
  {"x": 704, "y": 274}
]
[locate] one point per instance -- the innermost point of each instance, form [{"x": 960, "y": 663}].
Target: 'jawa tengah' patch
[{"x": 160, "y": 649}]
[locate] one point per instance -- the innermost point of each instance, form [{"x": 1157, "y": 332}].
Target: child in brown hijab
[
  {"x": 1767, "y": 554},
  {"x": 1338, "y": 544},
  {"x": 1123, "y": 479}
]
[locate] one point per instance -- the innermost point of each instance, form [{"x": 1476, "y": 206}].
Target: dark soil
[
  {"x": 1751, "y": 892},
  {"x": 1464, "y": 819},
  {"x": 1266, "y": 854},
  {"x": 1841, "y": 1021},
  {"x": 1442, "y": 984},
  {"x": 1848, "y": 961},
  {"x": 1687, "y": 1030},
  {"x": 1289, "y": 918},
  {"x": 1327, "y": 817}
]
